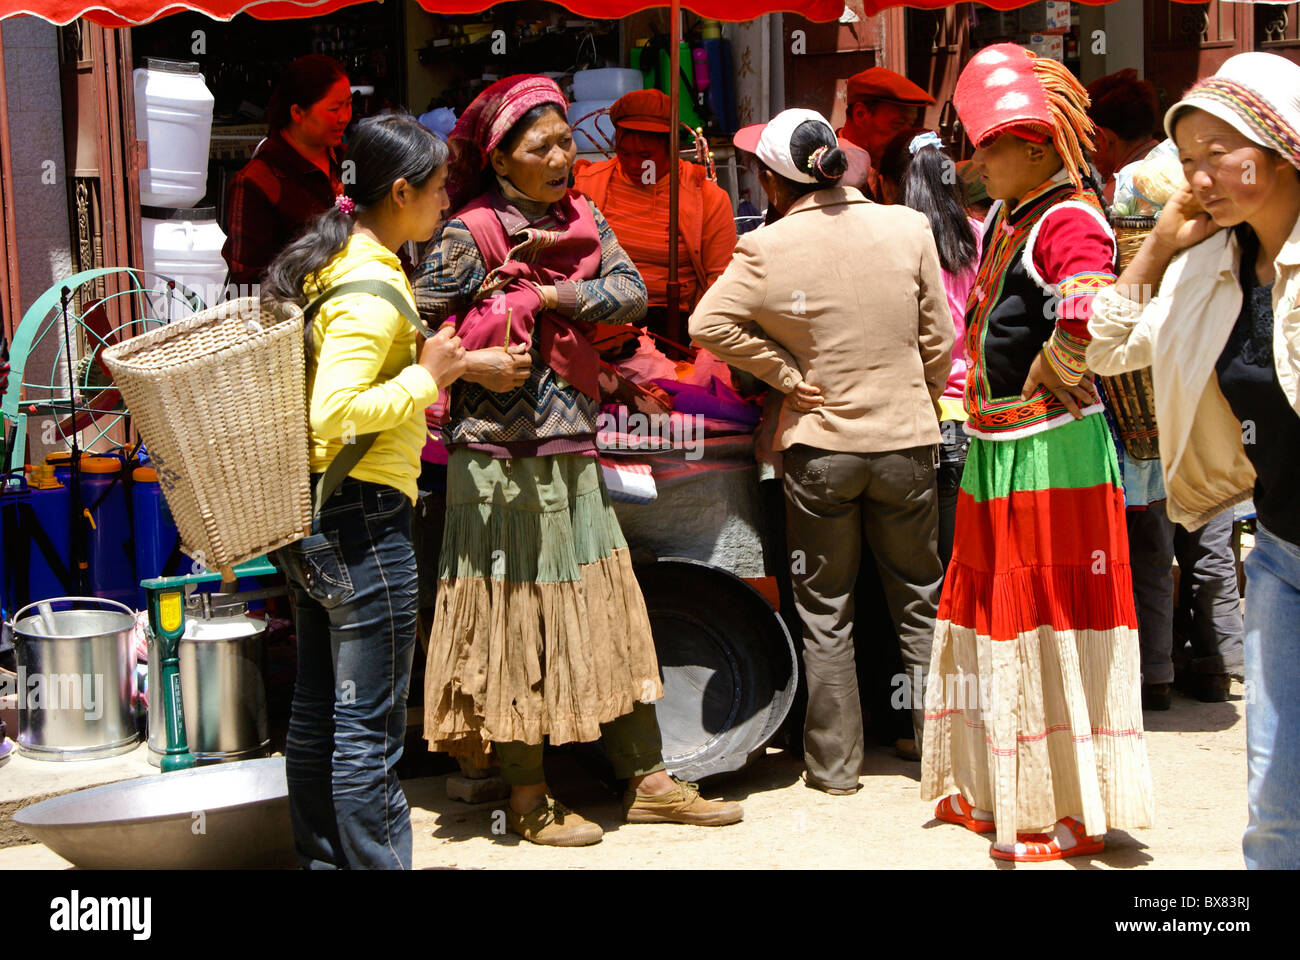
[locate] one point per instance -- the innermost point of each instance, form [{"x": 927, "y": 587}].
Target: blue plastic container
[
  {"x": 155, "y": 531},
  {"x": 40, "y": 513},
  {"x": 108, "y": 538}
]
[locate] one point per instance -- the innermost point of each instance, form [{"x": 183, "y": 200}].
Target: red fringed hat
[{"x": 1008, "y": 89}]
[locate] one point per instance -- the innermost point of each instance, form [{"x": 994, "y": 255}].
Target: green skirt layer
[
  {"x": 1074, "y": 456},
  {"x": 530, "y": 520},
  {"x": 540, "y": 629}
]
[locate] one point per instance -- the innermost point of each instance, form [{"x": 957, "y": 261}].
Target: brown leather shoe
[
  {"x": 552, "y": 824},
  {"x": 682, "y": 805}
]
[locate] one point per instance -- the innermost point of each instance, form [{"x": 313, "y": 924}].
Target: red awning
[
  {"x": 874, "y": 7},
  {"x": 126, "y": 13}
]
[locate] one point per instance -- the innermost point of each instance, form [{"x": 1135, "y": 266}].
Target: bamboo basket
[
  {"x": 220, "y": 400},
  {"x": 1129, "y": 394}
]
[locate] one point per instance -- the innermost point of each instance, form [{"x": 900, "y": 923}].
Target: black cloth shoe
[
  {"x": 1156, "y": 696},
  {"x": 1206, "y": 687}
]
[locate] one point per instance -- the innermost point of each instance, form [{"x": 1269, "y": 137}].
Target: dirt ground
[{"x": 1198, "y": 763}]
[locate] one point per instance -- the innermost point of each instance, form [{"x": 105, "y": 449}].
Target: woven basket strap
[
  {"x": 352, "y": 453},
  {"x": 339, "y": 468},
  {"x": 377, "y": 288}
]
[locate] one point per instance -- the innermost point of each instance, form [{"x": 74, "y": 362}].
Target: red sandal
[
  {"x": 955, "y": 809},
  {"x": 1039, "y": 847}
]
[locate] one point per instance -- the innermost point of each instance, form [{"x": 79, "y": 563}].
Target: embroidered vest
[{"x": 1009, "y": 317}]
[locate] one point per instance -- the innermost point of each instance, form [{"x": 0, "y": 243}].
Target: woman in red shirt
[{"x": 295, "y": 174}]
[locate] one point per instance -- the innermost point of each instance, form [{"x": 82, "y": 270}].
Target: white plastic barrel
[
  {"x": 185, "y": 245},
  {"x": 173, "y": 114},
  {"x": 607, "y": 83}
]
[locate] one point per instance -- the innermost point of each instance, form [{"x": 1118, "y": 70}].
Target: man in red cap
[
  {"x": 631, "y": 190},
  {"x": 881, "y": 103}
]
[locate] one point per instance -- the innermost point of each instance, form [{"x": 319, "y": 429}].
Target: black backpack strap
[{"x": 352, "y": 453}]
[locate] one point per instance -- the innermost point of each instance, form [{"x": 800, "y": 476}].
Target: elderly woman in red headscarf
[
  {"x": 540, "y": 629},
  {"x": 631, "y": 190}
]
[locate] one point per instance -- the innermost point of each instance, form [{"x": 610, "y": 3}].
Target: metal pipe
[
  {"x": 13, "y": 306},
  {"x": 674, "y": 152},
  {"x": 77, "y": 548}
]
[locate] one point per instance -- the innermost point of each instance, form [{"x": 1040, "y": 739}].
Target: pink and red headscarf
[{"x": 487, "y": 120}]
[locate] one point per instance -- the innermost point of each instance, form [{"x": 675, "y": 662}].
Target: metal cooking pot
[
  {"x": 223, "y": 693},
  {"x": 76, "y": 680},
  {"x": 231, "y": 816}
]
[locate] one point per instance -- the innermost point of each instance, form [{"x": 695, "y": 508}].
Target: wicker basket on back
[
  {"x": 1129, "y": 393},
  {"x": 220, "y": 400}
]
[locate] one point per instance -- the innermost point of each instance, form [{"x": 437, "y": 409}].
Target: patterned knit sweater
[{"x": 546, "y": 415}]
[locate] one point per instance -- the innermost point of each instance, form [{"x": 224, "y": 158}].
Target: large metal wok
[{"x": 225, "y": 816}]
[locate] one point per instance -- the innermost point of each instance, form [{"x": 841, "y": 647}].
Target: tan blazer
[{"x": 848, "y": 295}]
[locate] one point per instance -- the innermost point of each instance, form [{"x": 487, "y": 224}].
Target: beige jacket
[
  {"x": 848, "y": 295},
  {"x": 1180, "y": 334}
]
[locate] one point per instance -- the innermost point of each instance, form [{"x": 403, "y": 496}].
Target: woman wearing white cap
[
  {"x": 1222, "y": 336},
  {"x": 840, "y": 306}
]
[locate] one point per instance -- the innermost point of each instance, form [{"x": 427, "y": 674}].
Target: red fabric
[
  {"x": 125, "y": 13},
  {"x": 704, "y": 224},
  {"x": 998, "y": 91},
  {"x": 563, "y": 343},
  {"x": 874, "y": 7},
  {"x": 1028, "y": 562},
  {"x": 1071, "y": 243}
]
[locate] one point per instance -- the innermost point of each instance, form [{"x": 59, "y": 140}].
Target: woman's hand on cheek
[{"x": 1183, "y": 222}]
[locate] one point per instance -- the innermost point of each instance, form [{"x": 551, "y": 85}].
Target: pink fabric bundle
[{"x": 570, "y": 251}]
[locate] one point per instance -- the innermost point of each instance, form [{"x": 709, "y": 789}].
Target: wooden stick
[{"x": 509, "y": 313}]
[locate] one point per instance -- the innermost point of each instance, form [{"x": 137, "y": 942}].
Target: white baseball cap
[{"x": 771, "y": 141}]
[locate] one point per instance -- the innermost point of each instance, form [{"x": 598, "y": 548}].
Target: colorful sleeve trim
[
  {"x": 1075, "y": 293},
  {"x": 1065, "y": 353}
]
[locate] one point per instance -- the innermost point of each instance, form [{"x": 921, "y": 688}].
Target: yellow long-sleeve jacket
[{"x": 363, "y": 371}]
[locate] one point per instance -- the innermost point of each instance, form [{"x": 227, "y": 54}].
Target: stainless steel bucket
[
  {"x": 76, "y": 681},
  {"x": 223, "y": 693}
]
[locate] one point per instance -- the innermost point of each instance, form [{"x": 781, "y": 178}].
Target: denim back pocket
[
  {"x": 316, "y": 562},
  {"x": 387, "y": 501}
]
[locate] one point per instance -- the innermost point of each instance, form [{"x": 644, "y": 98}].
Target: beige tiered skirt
[{"x": 540, "y": 629}]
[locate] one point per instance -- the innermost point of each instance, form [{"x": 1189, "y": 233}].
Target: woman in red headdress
[
  {"x": 540, "y": 629},
  {"x": 1033, "y": 719}
]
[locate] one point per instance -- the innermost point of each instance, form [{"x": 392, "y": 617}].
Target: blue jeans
[
  {"x": 355, "y": 589},
  {"x": 1272, "y": 839}
]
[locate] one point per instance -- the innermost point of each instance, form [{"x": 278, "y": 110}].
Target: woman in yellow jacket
[{"x": 354, "y": 579}]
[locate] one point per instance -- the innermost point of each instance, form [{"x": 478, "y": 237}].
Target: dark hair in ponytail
[
  {"x": 816, "y": 151},
  {"x": 383, "y": 150},
  {"x": 928, "y": 182},
  {"x": 304, "y": 84}
]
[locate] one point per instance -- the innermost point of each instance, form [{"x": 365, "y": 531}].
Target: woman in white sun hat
[{"x": 1222, "y": 337}]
